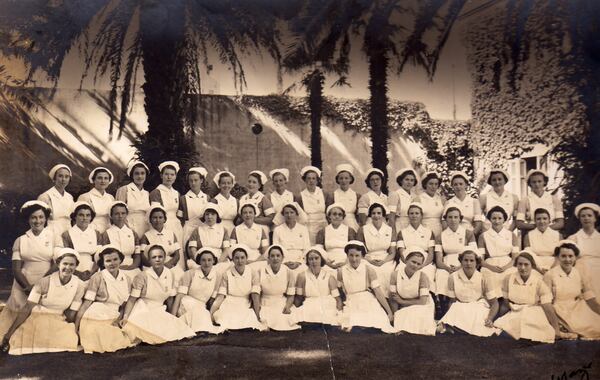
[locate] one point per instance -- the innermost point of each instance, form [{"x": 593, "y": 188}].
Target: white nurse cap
[
  {"x": 200, "y": 170},
  {"x": 219, "y": 174},
  {"x": 283, "y": 171},
  {"x": 56, "y": 168},
  {"x": 310, "y": 168},
  {"x": 261, "y": 175},
  {"x": 111, "y": 177},
  {"x": 164, "y": 164},
  {"x": 133, "y": 164}
]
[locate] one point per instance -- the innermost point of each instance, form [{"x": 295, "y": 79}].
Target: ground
[{"x": 317, "y": 353}]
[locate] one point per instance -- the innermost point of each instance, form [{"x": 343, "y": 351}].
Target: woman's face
[
  {"x": 248, "y": 214},
  {"x": 432, "y": 186},
  {"x": 497, "y": 180},
  {"x": 524, "y": 267},
  {"x": 253, "y": 185},
  {"x": 537, "y": 183},
  {"x": 587, "y": 217},
  {"x": 375, "y": 182},
  {"x": 311, "y": 179},
  {"x": 279, "y": 181},
  {"x": 207, "y": 261},
  {"x": 497, "y": 219},
  {"x": 453, "y": 219},
  {"x": 157, "y": 258},
  {"x": 459, "y": 185},
  {"x": 83, "y": 218},
  {"x": 354, "y": 257},
  {"x": 112, "y": 261},
  {"x": 157, "y": 220},
  {"x": 344, "y": 179},
  {"x": 168, "y": 176},
  {"x": 101, "y": 180},
  {"x": 566, "y": 258},
  {"x": 414, "y": 263},
  {"x": 239, "y": 259},
  {"x": 139, "y": 175},
  {"x": 37, "y": 220},
  {"x": 415, "y": 215},
  {"x": 275, "y": 257},
  {"x": 225, "y": 184},
  {"x": 195, "y": 182},
  {"x": 62, "y": 177},
  {"x": 210, "y": 217},
  {"x": 289, "y": 214},
  {"x": 408, "y": 182},
  {"x": 336, "y": 215},
  {"x": 376, "y": 214},
  {"x": 118, "y": 215},
  {"x": 469, "y": 262},
  {"x": 67, "y": 266},
  {"x": 313, "y": 259},
  {"x": 542, "y": 221}
]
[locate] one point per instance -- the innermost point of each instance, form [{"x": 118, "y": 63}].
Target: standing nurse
[{"x": 58, "y": 199}]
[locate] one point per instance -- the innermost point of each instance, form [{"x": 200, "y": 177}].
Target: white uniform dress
[
  {"x": 46, "y": 329},
  {"x": 532, "y": 202},
  {"x": 97, "y": 331},
  {"x": 570, "y": 293},
  {"x": 275, "y": 287},
  {"x": 423, "y": 238},
  {"x": 333, "y": 240},
  {"x": 499, "y": 246},
  {"x": 215, "y": 237},
  {"x": 470, "y": 209},
  {"x": 61, "y": 205},
  {"x": 414, "y": 319},
  {"x": 138, "y": 203},
  {"x": 35, "y": 254},
  {"x": 101, "y": 204},
  {"x": 191, "y": 208},
  {"x": 265, "y": 208},
  {"x": 319, "y": 293},
  {"x": 542, "y": 244},
  {"x": 253, "y": 237},
  {"x": 86, "y": 243},
  {"x": 361, "y": 307},
  {"x": 296, "y": 241},
  {"x": 349, "y": 200},
  {"x": 433, "y": 208},
  {"x": 236, "y": 312},
  {"x": 279, "y": 200},
  {"x": 588, "y": 262},
  {"x": 399, "y": 201},
  {"x": 377, "y": 242},
  {"x": 507, "y": 200},
  {"x": 470, "y": 309},
  {"x": 526, "y": 318},
  {"x": 370, "y": 197},
  {"x": 128, "y": 243},
  {"x": 197, "y": 289},
  {"x": 169, "y": 242},
  {"x": 169, "y": 199},
  {"x": 149, "y": 320},
  {"x": 229, "y": 210},
  {"x": 453, "y": 244},
  {"x": 314, "y": 206}
]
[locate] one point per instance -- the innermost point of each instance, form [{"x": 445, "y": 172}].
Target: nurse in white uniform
[
  {"x": 58, "y": 199},
  {"x": 99, "y": 198},
  {"x": 588, "y": 241},
  {"x": 266, "y": 212},
  {"x": 251, "y": 235},
  {"x": 345, "y": 196},
  {"x": 401, "y": 198},
  {"x": 293, "y": 236},
  {"x": 432, "y": 203},
  {"x": 210, "y": 234},
  {"x": 499, "y": 196},
  {"x": 280, "y": 196},
  {"x": 472, "y": 218},
  {"x": 228, "y": 204},
  {"x": 136, "y": 197},
  {"x": 334, "y": 237},
  {"x": 192, "y": 203},
  {"x": 313, "y": 201},
  {"x": 375, "y": 181},
  {"x": 542, "y": 240},
  {"x": 538, "y": 197}
]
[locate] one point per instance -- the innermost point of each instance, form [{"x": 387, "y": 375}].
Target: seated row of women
[{"x": 112, "y": 312}]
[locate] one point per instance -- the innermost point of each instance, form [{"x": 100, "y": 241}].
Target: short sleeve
[
  {"x": 544, "y": 293},
  {"x": 264, "y": 240},
  {"x": 340, "y": 278},
  {"x": 93, "y": 286},
  {"x": 121, "y": 194},
  {"x": 300, "y": 283},
  {"x": 394, "y": 282},
  {"x": 432, "y": 244},
  {"x": 194, "y": 239},
  {"x": 335, "y": 292},
  {"x": 155, "y": 197},
  {"x": 393, "y": 201},
  {"x": 477, "y": 213},
  {"x": 489, "y": 291},
  {"x": 363, "y": 204},
  {"x": 291, "y": 284},
  {"x": 400, "y": 240},
  {"x": 224, "y": 285},
  {"x": 185, "y": 282},
  {"x": 139, "y": 285},
  {"x": 39, "y": 290},
  {"x": 76, "y": 304},
  {"x": 226, "y": 241},
  {"x": 522, "y": 209},
  {"x": 144, "y": 242},
  {"x": 233, "y": 237},
  {"x": 16, "y": 251},
  {"x": 423, "y": 285},
  {"x": 255, "y": 283},
  {"x": 372, "y": 279},
  {"x": 268, "y": 209}
]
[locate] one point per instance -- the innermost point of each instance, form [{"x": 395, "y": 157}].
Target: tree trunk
[
  {"x": 378, "y": 64},
  {"x": 315, "y": 102}
]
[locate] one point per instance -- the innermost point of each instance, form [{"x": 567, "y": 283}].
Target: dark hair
[
  {"x": 538, "y": 173},
  {"x": 168, "y": 167},
  {"x": 223, "y": 175},
  {"x": 248, "y": 205},
  {"x": 540, "y": 211},
  {"x": 411, "y": 254},
  {"x": 342, "y": 171},
  {"x": 362, "y": 249},
  {"x": 374, "y": 206},
  {"x": 189, "y": 173},
  {"x": 489, "y": 181},
  {"x": 202, "y": 219},
  {"x": 453, "y": 208},
  {"x": 108, "y": 251},
  {"x": 102, "y": 170},
  {"x": 27, "y": 211},
  {"x": 415, "y": 206},
  {"x": 428, "y": 178},
  {"x": 67, "y": 255},
  {"x": 118, "y": 205},
  {"x": 155, "y": 209},
  {"x": 469, "y": 252},
  {"x": 153, "y": 247},
  {"x": 275, "y": 246},
  {"x": 260, "y": 184},
  {"x": 292, "y": 207},
  {"x": 596, "y": 213},
  {"x": 339, "y": 207},
  {"x": 371, "y": 174},
  {"x": 323, "y": 262},
  {"x": 203, "y": 252},
  {"x": 238, "y": 249},
  {"x": 570, "y": 246},
  {"x": 497, "y": 209},
  {"x": 312, "y": 171},
  {"x": 401, "y": 177},
  {"x": 527, "y": 256},
  {"x": 79, "y": 207},
  {"x": 137, "y": 166}
]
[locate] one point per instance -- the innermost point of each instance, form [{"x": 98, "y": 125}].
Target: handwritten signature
[{"x": 579, "y": 373}]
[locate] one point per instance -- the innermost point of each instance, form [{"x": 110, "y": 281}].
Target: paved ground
[{"x": 317, "y": 353}]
